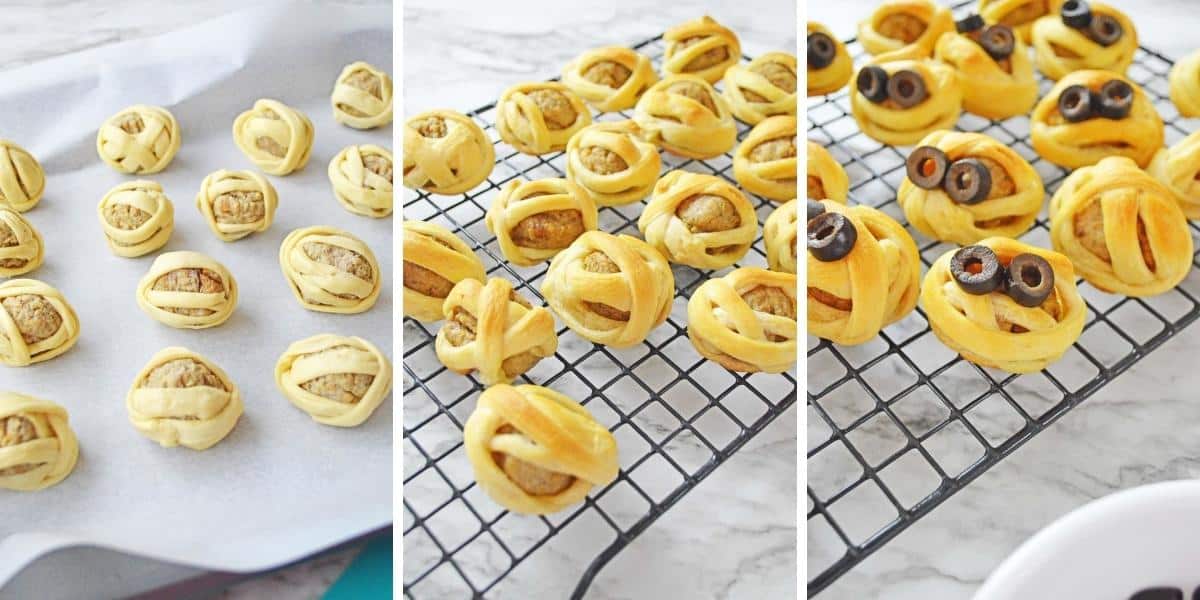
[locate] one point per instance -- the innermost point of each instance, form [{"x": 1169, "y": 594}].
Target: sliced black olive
[
  {"x": 831, "y": 236},
  {"x": 972, "y": 22},
  {"x": 815, "y": 208},
  {"x": 927, "y": 167},
  {"x": 977, "y": 270},
  {"x": 821, "y": 50},
  {"x": 1158, "y": 593},
  {"x": 873, "y": 83},
  {"x": 1105, "y": 30},
  {"x": 1030, "y": 280},
  {"x": 1075, "y": 103},
  {"x": 1076, "y": 14},
  {"x": 1115, "y": 100},
  {"x": 906, "y": 88},
  {"x": 968, "y": 181},
  {"x": 998, "y": 41}
]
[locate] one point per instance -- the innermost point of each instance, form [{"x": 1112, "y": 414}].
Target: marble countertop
[{"x": 1137, "y": 430}]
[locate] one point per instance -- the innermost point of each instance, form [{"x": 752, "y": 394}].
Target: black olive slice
[
  {"x": 1075, "y": 103},
  {"x": 1115, "y": 100},
  {"x": 998, "y": 41},
  {"x": 1030, "y": 280},
  {"x": 968, "y": 181},
  {"x": 1105, "y": 30},
  {"x": 976, "y": 270},
  {"x": 926, "y": 167},
  {"x": 972, "y": 22},
  {"x": 873, "y": 83},
  {"x": 906, "y": 88},
  {"x": 831, "y": 236},
  {"x": 1076, "y": 14},
  {"x": 815, "y": 208},
  {"x": 1158, "y": 593},
  {"x": 821, "y": 50}
]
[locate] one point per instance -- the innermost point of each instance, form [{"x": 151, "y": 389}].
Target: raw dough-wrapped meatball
[
  {"x": 36, "y": 323},
  {"x": 183, "y": 399},
  {"x": 362, "y": 97},
  {"x": 38, "y": 448},
  {"x": 22, "y": 180},
  {"x": 188, "y": 290},
  {"x": 337, "y": 380},
  {"x": 140, "y": 139},
  {"x": 137, "y": 218},
  {"x": 236, "y": 204},
  {"x": 330, "y": 270},
  {"x": 21, "y": 247},
  {"x": 274, "y": 136},
  {"x": 362, "y": 180}
]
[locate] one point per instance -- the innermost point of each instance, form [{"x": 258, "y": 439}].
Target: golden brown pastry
[
  {"x": 236, "y": 204},
  {"x": 434, "y": 260},
  {"x": 1184, "y": 80},
  {"x": 539, "y": 117},
  {"x": 188, "y": 290},
  {"x": 493, "y": 329},
  {"x": 534, "y": 220},
  {"x": 827, "y": 180},
  {"x": 1178, "y": 168},
  {"x": 763, "y": 88},
  {"x": 698, "y": 220},
  {"x": 36, "y": 323},
  {"x": 1107, "y": 43},
  {"x": 902, "y": 101},
  {"x": 1122, "y": 229},
  {"x": 22, "y": 180},
  {"x": 610, "y": 78},
  {"x": 183, "y": 399},
  {"x": 137, "y": 218},
  {"x": 21, "y": 247},
  {"x": 536, "y": 451},
  {"x": 1018, "y": 14},
  {"x": 701, "y": 47},
  {"x": 765, "y": 162},
  {"x": 996, "y": 87},
  {"x": 140, "y": 139},
  {"x": 337, "y": 380},
  {"x": 330, "y": 270},
  {"x": 746, "y": 320},
  {"x": 446, "y": 153},
  {"x": 904, "y": 29},
  {"x": 613, "y": 163},
  {"x": 1136, "y": 132},
  {"x": 362, "y": 180},
  {"x": 38, "y": 448},
  {"x": 833, "y": 64},
  {"x": 276, "y": 137},
  {"x": 684, "y": 115},
  {"x": 780, "y": 232},
  {"x": 362, "y": 97}
]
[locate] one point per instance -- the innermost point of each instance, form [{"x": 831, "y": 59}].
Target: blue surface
[{"x": 369, "y": 576}]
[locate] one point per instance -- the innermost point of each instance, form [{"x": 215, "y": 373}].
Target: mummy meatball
[
  {"x": 137, "y": 218},
  {"x": 38, "y": 448},
  {"x": 139, "y": 140},
  {"x": 698, "y": 220},
  {"x": 362, "y": 97},
  {"x": 236, "y": 204},
  {"x": 274, "y": 136},
  {"x": 330, "y": 270},
  {"x": 187, "y": 290},
  {"x": 36, "y": 323},
  {"x": 21, "y": 247},
  {"x": 534, "y": 220},
  {"x": 337, "y": 380},
  {"x": 362, "y": 180},
  {"x": 22, "y": 180},
  {"x": 181, "y": 398}
]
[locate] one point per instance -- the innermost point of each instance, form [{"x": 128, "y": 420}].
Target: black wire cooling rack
[
  {"x": 676, "y": 416},
  {"x": 898, "y": 425}
]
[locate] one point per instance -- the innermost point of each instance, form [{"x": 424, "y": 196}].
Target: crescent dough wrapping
[
  {"x": 236, "y": 204},
  {"x": 539, "y": 117},
  {"x": 140, "y": 139},
  {"x": 698, "y": 220},
  {"x": 1009, "y": 209},
  {"x": 1122, "y": 229},
  {"x": 746, "y": 320},
  {"x": 891, "y": 124},
  {"x": 535, "y": 451},
  {"x": 330, "y": 270},
  {"x": 684, "y": 115},
  {"x": 701, "y": 47},
  {"x": 362, "y": 97},
  {"x": 904, "y": 29},
  {"x": 274, "y": 136},
  {"x": 187, "y": 290},
  {"x": 827, "y": 179},
  {"x": 610, "y": 78},
  {"x": 534, "y": 220},
  {"x": 609, "y": 289},
  {"x": 613, "y": 163},
  {"x": 137, "y": 218},
  {"x": 765, "y": 162},
  {"x": 780, "y": 233},
  {"x": 337, "y": 380},
  {"x": 434, "y": 260},
  {"x": 21, "y": 247},
  {"x": 1018, "y": 14},
  {"x": 835, "y": 75},
  {"x": 183, "y": 399},
  {"x": 850, "y": 300},
  {"x": 22, "y": 180},
  {"x": 362, "y": 180},
  {"x": 36, "y": 323},
  {"x": 1184, "y": 80},
  {"x": 493, "y": 329},
  {"x": 766, "y": 87},
  {"x": 1177, "y": 167},
  {"x": 1060, "y": 49},
  {"x": 993, "y": 89},
  {"x": 446, "y": 153},
  {"x": 1072, "y": 145},
  {"x": 38, "y": 448}
]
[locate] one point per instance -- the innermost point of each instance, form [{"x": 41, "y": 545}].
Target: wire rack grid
[
  {"x": 676, "y": 416},
  {"x": 898, "y": 425}
]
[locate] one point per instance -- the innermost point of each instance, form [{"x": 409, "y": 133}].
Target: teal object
[{"x": 369, "y": 576}]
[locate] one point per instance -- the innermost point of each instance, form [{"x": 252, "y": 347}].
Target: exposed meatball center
[
  {"x": 774, "y": 149},
  {"x": 431, "y": 127},
  {"x": 462, "y": 326},
  {"x": 599, "y": 262},
  {"x": 35, "y": 317},
  {"x": 131, "y": 123},
  {"x": 378, "y": 165},
  {"x": 556, "y": 109},
  {"x": 238, "y": 207},
  {"x": 529, "y": 477},
  {"x": 347, "y": 388},
  {"x": 601, "y": 160},
  {"x": 607, "y": 73},
  {"x": 125, "y": 216},
  {"x": 709, "y": 58},
  {"x": 343, "y": 259},
  {"x": 182, "y": 373},
  {"x": 695, "y": 91},
  {"x": 707, "y": 213},
  {"x": 15, "y": 430},
  {"x": 901, "y": 26},
  {"x": 201, "y": 281}
]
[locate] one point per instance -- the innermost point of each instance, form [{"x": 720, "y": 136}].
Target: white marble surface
[{"x": 1139, "y": 429}]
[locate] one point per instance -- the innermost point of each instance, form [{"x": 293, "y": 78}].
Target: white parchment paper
[{"x": 280, "y": 486}]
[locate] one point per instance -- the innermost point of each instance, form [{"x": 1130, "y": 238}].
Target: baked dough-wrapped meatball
[
  {"x": 861, "y": 282},
  {"x": 779, "y": 234},
  {"x": 337, "y": 380},
  {"x": 493, "y": 329},
  {"x": 1060, "y": 48},
  {"x": 827, "y": 179},
  {"x": 362, "y": 97},
  {"x": 746, "y": 320},
  {"x": 701, "y": 47},
  {"x": 834, "y": 65},
  {"x": 1087, "y": 136},
  {"x": 36, "y": 323},
  {"x": 187, "y": 290},
  {"x": 1184, "y": 80},
  {"x": 994, "y": 87},
  {"x": 926, "y": 98},
  {"x": 183, "y": 399},
  {"x": 330, "y": 270},
  {"x": 609, "y": 289},
  {"x": 684, "y": 115},
  {"x": 534, "y": 220},
  {"x": 236, "y": 204},
  {"x": 140, "y": 139},
  {"x": 21, "y": 247},
  {"x": 1004, "y": 205},
  {"x": 535, "y": 451},
  {"x": 539, "y": 117},
  {"x": 613, "y": 163},
  {"x": 1122, "y": 229},
  {"x": 434, "y": 261},
  {"x": 362, "y": 180},
  {"x": 764, "y": 88},
  {"x": 904, "y": 29},
  {"x": 1177, "y": 167},
  {"x": 610, "y": 78},
  {"x": 276, "y": 137},
  {"x": 765, "y": 162},
  {"x": 446, "y": 153},
  {"x": 38, "y": 448},
  {"x": 137, "y": 218},
  {"x": 22, "y": 180},
  {"x": 1018, "y": 14},
  {"x": 698, "y": 220}
]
